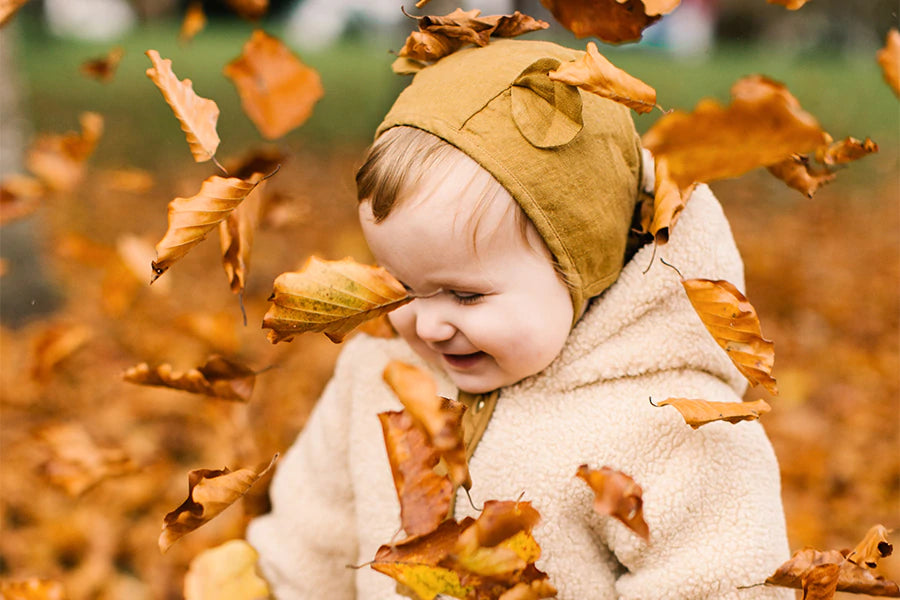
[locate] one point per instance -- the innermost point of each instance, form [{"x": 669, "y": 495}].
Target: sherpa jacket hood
[{"x": 711, "y": 495}]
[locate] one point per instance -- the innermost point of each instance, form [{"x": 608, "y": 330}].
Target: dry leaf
[
  {"x": 820, "y": 582},
  {"x": 889, "y": 59},
  {"x": 851, "y": 577},
  {"x": 8, "y": 8},
  {"x": 58, "y": 160},
  {"x": 31, "y": 589},
  {"x": 424, "y": 495},
  {"x": 226, "y": 572},
  {"x": 193, "y": 23},
  {"x": 763, "y": 125},
  {"x": 610, "y": 20},
  {"x": 251, "y": 10},
  {"x": 846, "y": 150},
  {"x": 668, "y": 202},
  {"x": 197, "y": 115},
  {"x": 595, "y": 74},
  {"x": 332, "y": 297},
  {"x": 54, "y": 344},
  {"x": 697, "y": 413},
  {"x": 499, "y": 541},
  {"x": 514, "y": 25},
  {"x": 77, "y": 463},
  {"x": 428, "y": 47},
  {"x": 618, "y": 495},
  {"x": 873, "y": 547},
  {"x": 209, "y": 493},
  {"x": 103, "y": 68},
  {"x": 191, "y": 219},
  {"x": 277, "y": 91},
  {"x": 19, "y": 197},
  {"x": 217, "y": 377},
  {"x": 734, "y": 324},
  {"x": 797, "y": 172},
  {"x": 236, "y": 239},
  {"x": 789, "y": 4},
  {"x": 462, "y": 25}
]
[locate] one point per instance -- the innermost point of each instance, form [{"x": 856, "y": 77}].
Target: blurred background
[{"x": 90, "y": 464}]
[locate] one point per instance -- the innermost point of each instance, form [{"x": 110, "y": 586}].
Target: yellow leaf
[
  {"x": 332, "y": 297},
  {"x": 209, "y": 493},
  {"x": 889, "y": 59},
  {"x": 226, "y": 572},
  {"x": 217, "y": 377},
  {"x": 700, "y": 412},
  {"x": 764, "y": 124},
  {"x": 197, "y": 115},
  {"x": 191, "y": 219},
  {"x": 595, "y": 74},
  {"x": 277, "y": 91},
  {"x": 871, "y": 548},
  {"x": 425, "y": 580},
  {"x": 734, "y": 324}
]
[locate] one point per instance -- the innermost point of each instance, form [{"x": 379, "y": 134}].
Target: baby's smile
[{"x": 462, "y": 362}]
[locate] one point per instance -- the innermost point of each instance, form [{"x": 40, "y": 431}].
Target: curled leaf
[
  {"x": 697, "y": 413},
  {"x": 103, "y": 68},
  {"x": 873, "y": 547},
  {"x": 209, "y": 493},
  {"x": 797, "y": 172},
  {"x": 191, "y": 219},
  {"x": 595, "y": 74},
  {"x": 217, "y": 377},
  {"x": 668, "y": 202},
  {"x": 889, "y": 60},
  {"x": 197, "y": 115},
  {"x": 610, "y": 20},
  {"x": 763, "y": 125},
  {"x": 618, "y": 495},
  {"x": 846, "y": 150},
  {"x": 820, "y": 582},
  {"x": 428, "y": 47},
  {"x": 277, "y": 91},
  {"x": 499, "y": 542},
  {"x": 236, "y": 240},
  {"x": 193, "y": 23},
  {"x": 734, "y": 324},
  {"x": 226, "y": 572},
  {"x": 424, "y": 495},
  {"x": 333, "y": 297},
  {"x": 58, "y": 160},
  {"x": 851, "y": 577}
]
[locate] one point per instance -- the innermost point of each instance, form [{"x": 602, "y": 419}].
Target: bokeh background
[{"x": 823, "y": 273}]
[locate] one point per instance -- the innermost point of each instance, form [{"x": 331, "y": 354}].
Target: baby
[{"x": 503, "y": 201}]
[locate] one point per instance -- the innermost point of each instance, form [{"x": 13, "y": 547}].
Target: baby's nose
[{"x": 432, "y": 324}]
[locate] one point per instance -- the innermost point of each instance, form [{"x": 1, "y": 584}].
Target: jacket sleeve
[
  {"x": 306, "y": 542},
  {"x": 712, "y": 501}
]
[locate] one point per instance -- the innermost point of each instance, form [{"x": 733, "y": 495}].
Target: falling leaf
[
  {"x": 424, "y": 495},
  {"x": 191, "y": 219},
  {"x": 846, "y": 150},
  {"x": 500, "y": 540},
  {"x": 797, "y": 172},
  {"x": 77, "y": 463},
  {"x": 226, "y": 572},
  {"x": 889, "y": 59},
  {"x": 595, "y": 74},
  {"x": 251, "y": 10},
  {"x": 277, "y": 90},
  {"x": 763, "y": 125},
  {"x": 617, "y": 495},
  {"x": 197, "y": 115},
  {"x": 58, "y": 160},
  {"x": 236, "y": 237},
  {"x": 104, "y": 68},
  {"x": 610, "y": 20},
  {"x": 131, "y": 180},
  {"x": 697, "y": 413},
  {"x": 217, "y": 377},
  {"x": 439, "y": 36},
  {"x": 19, "y": 197},
  {"x": 32, "y": 589},
  {"x": 873, "y": 547},
  {"x": 8, "y": 8},
  {"x": 851, "y": 577},
  {"x": 668, "y": 202},
  {"x": 332, "y": 297},
  {"x": 209, "y": 493},
  {"x": 789, "y": 4},
  {"x": 734, "y": 324},
  {"x": 193, "y": 23},
  {"x": 54, "y": 344}
]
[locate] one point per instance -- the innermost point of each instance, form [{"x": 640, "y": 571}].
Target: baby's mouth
[{"x": 463, "y": 361}]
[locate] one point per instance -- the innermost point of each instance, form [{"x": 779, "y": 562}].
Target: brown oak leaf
[
  {"x": 217, "y": 377},
  {"x": 697, "y": 413},
  {"x": 618, "y": 495}
]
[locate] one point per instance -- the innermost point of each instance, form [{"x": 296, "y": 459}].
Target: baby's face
[{"x": 489, "y": 313}]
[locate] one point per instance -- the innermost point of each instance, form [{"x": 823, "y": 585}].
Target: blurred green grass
[{"x": 845, "y": 91}]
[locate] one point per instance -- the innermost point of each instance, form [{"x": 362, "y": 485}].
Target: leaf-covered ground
[{"x": 823, "y": 275}]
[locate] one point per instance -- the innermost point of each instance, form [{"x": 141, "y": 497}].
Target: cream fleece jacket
[{"x": 711, "y": 495}]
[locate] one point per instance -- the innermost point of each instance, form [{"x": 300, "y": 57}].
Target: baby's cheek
[{"x": 403, "y": 320}]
